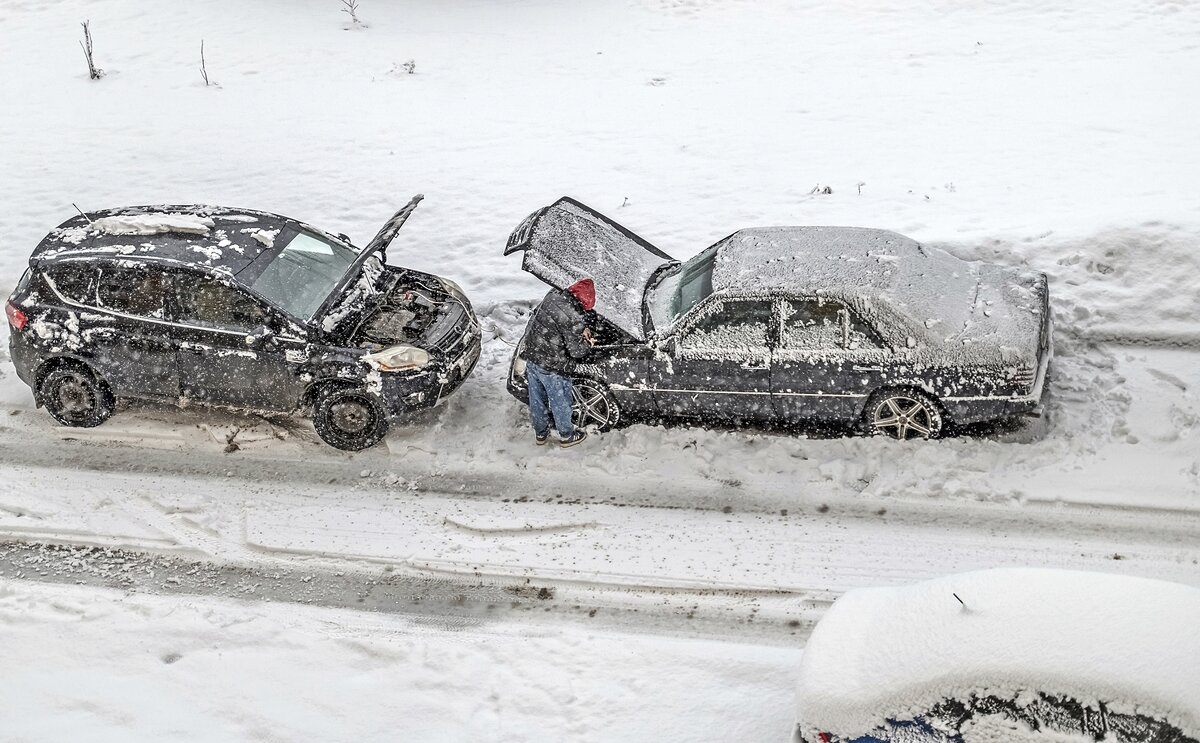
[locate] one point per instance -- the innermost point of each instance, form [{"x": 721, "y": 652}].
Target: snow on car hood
[
  {"x": 883, "y": 653},
  {"x": 567, "y": 241}
]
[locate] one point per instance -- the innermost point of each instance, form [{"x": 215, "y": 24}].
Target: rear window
[
  {"x": 131, "y": 290},
  {"x": 74, "y": 281}
]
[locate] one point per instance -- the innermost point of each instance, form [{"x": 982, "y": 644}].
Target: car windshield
[
  {"x": 678, "y": 292},
  {"x": 303, "y": 273}
]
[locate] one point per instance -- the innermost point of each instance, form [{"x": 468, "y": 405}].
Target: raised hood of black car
[{"x": 568, "y": 241}]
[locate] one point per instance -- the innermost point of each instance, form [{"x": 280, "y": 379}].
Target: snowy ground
[{"x": 1023, "y": 133}]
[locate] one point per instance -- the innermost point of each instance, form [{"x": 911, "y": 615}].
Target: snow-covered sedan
[
  {"x": 1012, "y": 655},
  {"x": 794, "y": 324},
  {"x": 236, "y": 308}
]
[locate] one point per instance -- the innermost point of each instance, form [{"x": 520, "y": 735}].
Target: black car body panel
[
  {"x": 796, "y": 323},
  {"x": 171, "y": 313}
]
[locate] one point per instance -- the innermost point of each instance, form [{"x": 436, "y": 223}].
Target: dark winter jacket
[{"x": 554, "y": 338}]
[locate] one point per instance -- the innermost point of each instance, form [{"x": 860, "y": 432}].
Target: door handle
[
  {"x": 857, "y": 367},
  {"x": 751, "y": 366}
]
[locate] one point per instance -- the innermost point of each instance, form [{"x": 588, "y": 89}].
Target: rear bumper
[
  {"x": 24, "y": 356},
  {"x": 516, "y": 384}
]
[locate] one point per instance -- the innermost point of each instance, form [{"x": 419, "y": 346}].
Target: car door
[
  {"x": 233, "y": 350},
  {"x": 826, "y": 362},
  {"x": 720, "y": 367},
  {"x": 133, "y": 343}
]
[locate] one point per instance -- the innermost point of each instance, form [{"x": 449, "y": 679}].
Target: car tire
[
  {"x": 76, "y": 397},
  {"x": 348, "y": 418},
  {"x": 593, "y": 405},
  {"x": 903, "y": 414}
]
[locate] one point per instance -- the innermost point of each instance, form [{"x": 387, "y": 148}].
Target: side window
[
  {"x": 821, "y": 325},
  {"x": 131, "y": 289},
  {"x": 206, "y": 302},
  {"x": 738, "y": 325},
  {"x": 75, "y": 281}
]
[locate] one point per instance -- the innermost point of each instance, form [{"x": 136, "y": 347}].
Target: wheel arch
[
  {"x": 309, "y": 396},
  {"x": 53, "y": 363},
  {"x": 903, "y": 387}
]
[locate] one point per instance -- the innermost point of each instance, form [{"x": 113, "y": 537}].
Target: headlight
[
  {"x": 398, "y": 358},
  {"x": 454, "y": 289}
]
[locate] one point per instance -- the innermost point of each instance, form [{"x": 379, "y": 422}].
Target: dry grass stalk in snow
[
  {"x": 351, "y": 10},
  {"x": 203, "y": 68},
  {"x": 94, "y": 72}
]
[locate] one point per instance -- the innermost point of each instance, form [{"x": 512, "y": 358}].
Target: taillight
[
  {"x": 16, "y": 317},
  {"x": 825, "y": 737}
]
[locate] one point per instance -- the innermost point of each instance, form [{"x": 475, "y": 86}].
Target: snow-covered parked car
[
  {"x": 236, "y": 308},
  {"x": 793, "y": 324},
  {"x": 1013, "y": 655}
]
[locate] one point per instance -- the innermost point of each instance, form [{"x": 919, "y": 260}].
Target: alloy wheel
[
  {"x": 903, "y": 417},
  {"x": 592, "y": 405}
]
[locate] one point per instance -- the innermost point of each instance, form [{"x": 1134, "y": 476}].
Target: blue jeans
[{"x": 549, "y": 394}]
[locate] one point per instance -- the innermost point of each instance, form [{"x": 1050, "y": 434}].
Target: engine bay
[{"x": 411, "y": 307}]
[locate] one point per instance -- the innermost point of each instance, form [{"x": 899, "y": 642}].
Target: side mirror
[
  {"x": 667, "y": 345},
  {"x": 261, "y": 337}
]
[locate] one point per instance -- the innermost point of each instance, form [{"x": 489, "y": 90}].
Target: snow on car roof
[
  {"x": 212, "y": 236},
  {"x": 829, "y": 259},
  {"x": 884, "y": 653}
]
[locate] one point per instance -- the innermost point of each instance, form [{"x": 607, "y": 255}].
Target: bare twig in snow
[
  {"x": 860, "y": 185},
  {"x": 410, "y": 66},
  {"x": 351, "y": 10},
  {"x": 94, "y": 72},
  {"x": 203, "y": 68}
]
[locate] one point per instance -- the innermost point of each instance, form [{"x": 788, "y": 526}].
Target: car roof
[
  {"x": 213, "y": 237},
  {"x": 883, "y": 653},
  {"x": 832, "y": 260}
]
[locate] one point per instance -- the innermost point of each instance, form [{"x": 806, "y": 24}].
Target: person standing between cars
[{"x": 557, "y": 338}]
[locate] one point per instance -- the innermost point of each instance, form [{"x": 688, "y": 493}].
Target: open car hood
[
  {"x": 390, "y": 229},
  {"x": 327, "y": 313},
  {"x": 567, "y": 241}
]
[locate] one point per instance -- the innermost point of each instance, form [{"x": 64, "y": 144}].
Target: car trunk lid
[{"x": 568, "y": 241}]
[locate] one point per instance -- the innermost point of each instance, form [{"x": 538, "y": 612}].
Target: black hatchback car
[
  {"x": 236, "y": 308},
  {"x": 793, "y": 324}
]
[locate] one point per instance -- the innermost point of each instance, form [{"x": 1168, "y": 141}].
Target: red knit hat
[{"x": 585, "y": 291}]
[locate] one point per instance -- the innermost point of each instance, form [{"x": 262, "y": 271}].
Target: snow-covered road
[{"x": 754, "y": 531}]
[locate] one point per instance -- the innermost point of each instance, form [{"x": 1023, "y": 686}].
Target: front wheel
[
  {"x": 349, "y": 419},
  {"x": 903, "y": 414},
  {"x": 593, "y": 405},
  {"x": 73, "y": 396}
]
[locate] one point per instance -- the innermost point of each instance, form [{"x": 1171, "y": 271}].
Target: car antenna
[
  {"x": 964, "y": 604},
  {"x": 89, "y": 219}
]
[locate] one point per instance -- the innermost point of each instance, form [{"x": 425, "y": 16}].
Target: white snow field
[{"x": 656, "y": 582}]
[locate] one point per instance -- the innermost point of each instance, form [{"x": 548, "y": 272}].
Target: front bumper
[{"x": 404, "y": 394}]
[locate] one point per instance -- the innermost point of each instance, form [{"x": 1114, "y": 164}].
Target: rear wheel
[
  {"x": 593, "y": 405},
  {"x": 75, "y": 397},
  {"x": 349, "y": 419},
  {"x": 903, "y": 414}
]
